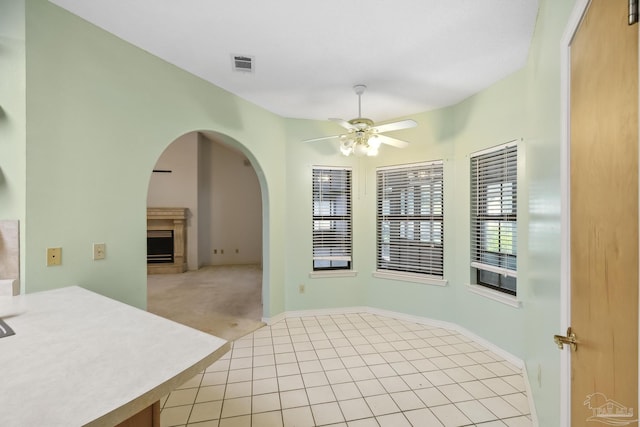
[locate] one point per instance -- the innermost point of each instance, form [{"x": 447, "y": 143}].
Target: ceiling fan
[{"x": 363, "y": 137}]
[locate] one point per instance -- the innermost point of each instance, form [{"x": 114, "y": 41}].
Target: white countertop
[{"x": 78, "y": 358}]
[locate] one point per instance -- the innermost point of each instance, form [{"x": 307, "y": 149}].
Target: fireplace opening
[{"x": 159, "y": 246}]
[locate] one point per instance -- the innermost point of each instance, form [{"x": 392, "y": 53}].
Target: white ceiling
[{"x": 414, "y": 55}]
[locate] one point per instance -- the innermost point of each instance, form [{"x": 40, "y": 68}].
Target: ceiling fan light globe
[
  {"x": 349, "y": 143},
  {"x": 374, "y": 142},
  {"x": 360, "y": 150},
  {"x": 346, "y": 147},
  {"x": 372, "y": 152}
]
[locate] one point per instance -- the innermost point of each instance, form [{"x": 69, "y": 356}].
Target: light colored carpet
[{"x": 224, "y": 301}]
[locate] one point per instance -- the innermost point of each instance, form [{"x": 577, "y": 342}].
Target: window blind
[
  {"x": 332, "y": 228},
  {"x": 410, "y": 227},
  {"x": 494, "y": 223}
]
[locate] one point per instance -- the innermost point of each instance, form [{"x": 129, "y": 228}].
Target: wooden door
[{"x": 604, "y": 216}]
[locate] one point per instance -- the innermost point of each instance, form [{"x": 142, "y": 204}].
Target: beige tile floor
[{"x": 355, "y": 370}]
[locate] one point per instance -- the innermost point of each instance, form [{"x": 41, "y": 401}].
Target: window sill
[
  {"x": 503, "y": 298},
  {"x": 409, "y": 277},
  {"x": 332, "y": 273}
]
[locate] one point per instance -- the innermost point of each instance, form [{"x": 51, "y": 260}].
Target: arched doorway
[{"x": 219, "y": 287}]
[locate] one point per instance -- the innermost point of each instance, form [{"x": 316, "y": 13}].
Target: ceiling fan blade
[
  {"x": 402, "y": 124},
  {"x": 324, "y": 138},
  {"x": 398, "y": 143},
  {"x": 345, "y": 124}
]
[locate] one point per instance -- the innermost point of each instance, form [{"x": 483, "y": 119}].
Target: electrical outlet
[
  {"x": 99, "y": 251},
  {"x": 54, "y": 256},
  {"x": 301, "y": 288}
]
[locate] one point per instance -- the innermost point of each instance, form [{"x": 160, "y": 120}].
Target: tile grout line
[{"x": 398, "y": 332}]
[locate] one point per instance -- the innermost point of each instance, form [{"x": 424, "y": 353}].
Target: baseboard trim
[
  {"x": 275, "y": 319},
  {"x": 327, "y": 311},
  {"x": 314, "y": 312}
]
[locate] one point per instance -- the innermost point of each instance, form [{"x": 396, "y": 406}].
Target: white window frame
[
  {"x": 494, "y": 203},
  {"x": 410, "y": 222},
  {"x": 332, "y": 210}
]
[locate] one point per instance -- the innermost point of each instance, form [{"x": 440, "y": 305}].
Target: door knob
[{"x": 569, "y": 339}]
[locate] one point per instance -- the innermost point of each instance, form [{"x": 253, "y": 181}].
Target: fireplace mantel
[{"x": 173, "y": 219}]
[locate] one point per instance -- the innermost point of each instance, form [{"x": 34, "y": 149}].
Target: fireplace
[
  {"x": 159, "y": 246},
  {"x": 166, "y": 243}
]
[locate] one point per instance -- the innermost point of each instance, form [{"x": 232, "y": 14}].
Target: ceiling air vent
[{"x": 243, "y": 63}]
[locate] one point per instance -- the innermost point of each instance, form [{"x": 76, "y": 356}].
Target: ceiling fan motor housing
[{"x": 361, "y": 122}]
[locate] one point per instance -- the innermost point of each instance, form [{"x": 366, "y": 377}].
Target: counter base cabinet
[{"x": 148, "y": 417}]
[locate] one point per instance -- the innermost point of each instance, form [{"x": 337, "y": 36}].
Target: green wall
[
  {"x": 13, "y": 121},
  {"x": 524, "y": 106},
  {"x": 100, "y": 112},
  {"x": 542, "y": 268}
]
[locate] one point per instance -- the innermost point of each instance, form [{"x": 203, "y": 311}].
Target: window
[
  {"x": 410, "y": 228},
  {"x": 331, "y": 218},
  {"x": 494, "y": 220}
]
